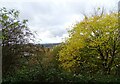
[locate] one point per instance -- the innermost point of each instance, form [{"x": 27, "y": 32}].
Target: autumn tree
[{"x": 93, "y": 45}]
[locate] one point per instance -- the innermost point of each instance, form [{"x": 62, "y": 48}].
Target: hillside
[{"x": 50, "y": 45}]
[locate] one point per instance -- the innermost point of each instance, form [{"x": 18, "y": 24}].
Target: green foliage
[
  {"x": 93, "y": 45},
  {"x": 15, "y": 33},
  {"x": 88, "y": 55},
  {"x": 29, "y": 68}
]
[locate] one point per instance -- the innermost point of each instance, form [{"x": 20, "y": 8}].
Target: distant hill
[{"x": 50, "y": 45}]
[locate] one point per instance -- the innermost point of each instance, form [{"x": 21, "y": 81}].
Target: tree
[
  {"x": 15, "y": 33},
  {"x": 93, "y": 45}
]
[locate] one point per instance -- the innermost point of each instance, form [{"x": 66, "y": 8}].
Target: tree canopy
[
  {"x": 92, "y": 45},
  {"x": 15, "y": 33}
]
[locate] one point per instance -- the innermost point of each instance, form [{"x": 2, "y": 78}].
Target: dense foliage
[
  {"x": 93, "y": 46},
  {"x": 91, "y": 53},
  {"x": 15, "y": 33}
]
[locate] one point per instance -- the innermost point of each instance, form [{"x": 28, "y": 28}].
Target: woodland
[{"x": 90, "y": 54}]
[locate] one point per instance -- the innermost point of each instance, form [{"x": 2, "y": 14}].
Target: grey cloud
[
  {"x": 52, "y": 15},
  {"x": 58, "y": 31}
]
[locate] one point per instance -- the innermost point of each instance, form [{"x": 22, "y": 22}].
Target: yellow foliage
[{"x": 94, "y": 31}]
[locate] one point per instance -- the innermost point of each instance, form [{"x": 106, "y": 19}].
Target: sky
[{"x": 51, "y": 19}]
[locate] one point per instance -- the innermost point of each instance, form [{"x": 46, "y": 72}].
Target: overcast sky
[{"x": 52, "y": 18}]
